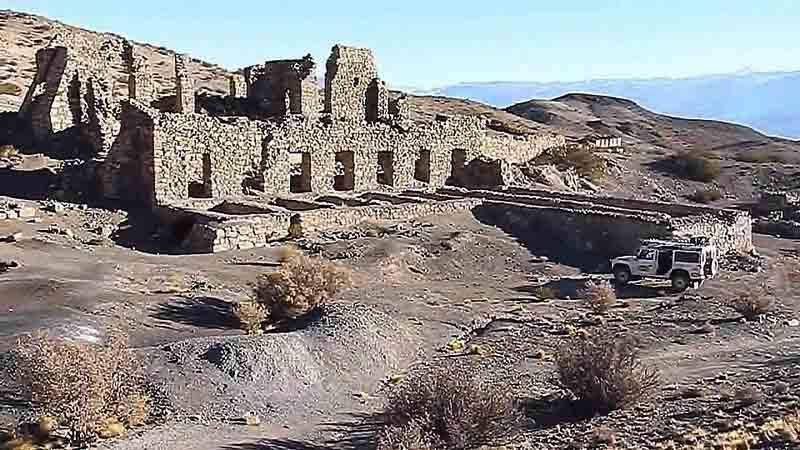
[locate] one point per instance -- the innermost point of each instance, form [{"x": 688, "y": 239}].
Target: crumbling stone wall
[
  {"x": 72, "y": 102},
  {"x": 141, "y": 85},
  {"x": 213, "y": 232},
  {"x": 184, "y": 86},
  {"x": 434, "y": 144},
  {"x": 349, "y": 73},
  {"x": 284, "y": 87},
  {"x": 729, "y": 230},
  {"x": 237, "y": 86}
]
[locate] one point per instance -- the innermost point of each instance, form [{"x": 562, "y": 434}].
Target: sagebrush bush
[
  {"x": 705, "y": 195},
  {"x": 698, "y": 166},
  {"x": 81, "y": 385},
  {"x": 604, "y": 372},
  {"x": 251, "y": 316},
  {"x": 300, "y": 286},
  {"x": 600, "y": 296},
  {"x": 449, "y": 411},
  {"x": 751, "y": 305}
]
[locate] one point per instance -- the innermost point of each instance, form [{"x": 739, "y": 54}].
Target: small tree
[
  {"x": 449, "y": 411},
  {"x": 603, "y": 370},
  {"x": 301, "y": 286}
]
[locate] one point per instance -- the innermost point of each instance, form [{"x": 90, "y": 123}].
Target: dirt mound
[{"x": 349, "y": 349}]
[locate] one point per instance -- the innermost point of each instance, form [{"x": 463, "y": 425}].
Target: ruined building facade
[{"x": 275, "y": 133}]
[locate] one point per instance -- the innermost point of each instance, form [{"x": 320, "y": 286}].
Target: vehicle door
[{"x": 646, "y": 262}]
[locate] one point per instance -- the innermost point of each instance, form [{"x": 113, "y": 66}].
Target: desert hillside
[
  {"x": 576, "y": 115},
  {"x": 22, "y": 34}
]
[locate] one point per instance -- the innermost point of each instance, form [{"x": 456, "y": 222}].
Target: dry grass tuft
[
  {"x": 600, "y": 296},
  {"x": 301, "y": 286},
  {"x": 81, "y": 385},
  {"x": 251, "y": 316},
  {"x": 445, "y": 410},
  {"x": 603, "y": 370}
]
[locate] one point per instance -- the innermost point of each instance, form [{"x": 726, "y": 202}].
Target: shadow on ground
[
  {"x": 543, "y": 238},
  {"x": 357, "y": 433},
  {"x": 202, "y": 312},
  {"x": 572, "y": 288},
  {"x": 549, "y": 412}
]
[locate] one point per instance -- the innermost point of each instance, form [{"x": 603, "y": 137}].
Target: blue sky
[{"x": 428, "y": 43}]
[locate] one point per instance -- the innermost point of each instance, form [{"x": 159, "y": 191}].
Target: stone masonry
[
  {"x": 161, "y": 157},
  {"x": 184, "y": 86},
  {"x": 349, "y": 73}
]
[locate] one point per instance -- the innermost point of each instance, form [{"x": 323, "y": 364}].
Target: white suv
[{"x": 685, "y": 263}]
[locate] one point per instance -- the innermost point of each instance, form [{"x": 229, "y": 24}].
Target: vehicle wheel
[
  {"x": 680, "y": 282},
  {"x": 622, "y": 275}
]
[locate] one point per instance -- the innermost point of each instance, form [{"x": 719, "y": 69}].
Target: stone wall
[
  {"x": 214, "y": 232},
  {"x": 285, "y": 87},
  {"x": 184, "y": 86},
  {"x": 421, "y": 156},
  {"x": 72, "y": 106},
  {"x": 349, "y": 73},
  {"x": 729, "y": 230},
  {"x": 220, "y": 157}
]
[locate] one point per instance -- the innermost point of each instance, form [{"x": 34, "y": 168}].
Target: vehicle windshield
[{"x": 645, "y": 253}]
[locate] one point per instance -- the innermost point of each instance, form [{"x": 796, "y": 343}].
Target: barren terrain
[{"x": 449, "y": 291}]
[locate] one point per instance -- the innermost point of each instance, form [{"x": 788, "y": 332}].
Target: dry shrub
[
  {"x": 301, "y": 286},
  {"x": 698, "y": 166},
  {"x": 751, "y": 305},
  {"x": 81, "y": 385},
  {"x": 600, "y": 296},
  {"x": 449, "y": 411},
  {"x": 603, "y": 370},
  {"x": 251, "y": 316},
  {"x": 705, "y": 195}
]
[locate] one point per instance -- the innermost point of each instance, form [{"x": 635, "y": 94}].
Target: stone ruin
[{"x": 234, "y": 171}]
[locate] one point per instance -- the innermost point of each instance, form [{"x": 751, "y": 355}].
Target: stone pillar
[{"x": 184, "y": 87}]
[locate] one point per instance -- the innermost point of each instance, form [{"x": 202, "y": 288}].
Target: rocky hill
[
  {"x": 22, "y": 34},
  {"x": 577, "y": 115}
]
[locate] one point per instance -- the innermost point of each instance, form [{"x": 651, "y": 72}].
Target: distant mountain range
[{"x": 768, "y": 102}]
